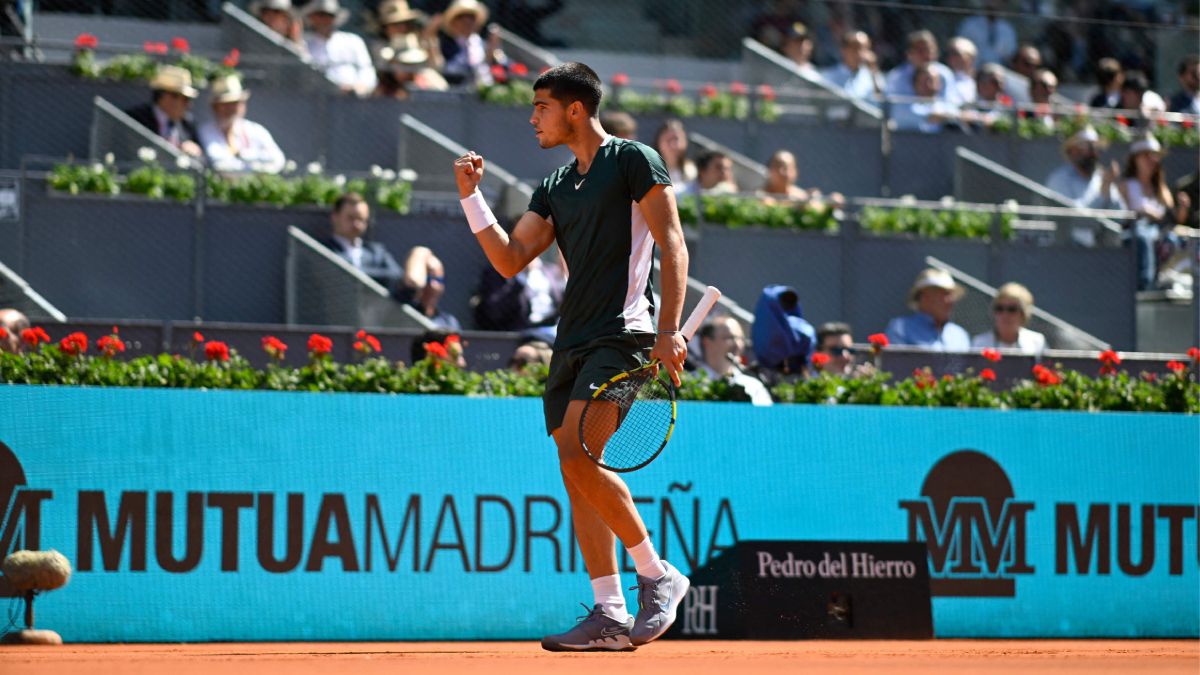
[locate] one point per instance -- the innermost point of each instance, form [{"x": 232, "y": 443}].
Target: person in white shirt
[
  {"x": 960, "y": 57},
  {"x": 856, "y": 74},
  {"x": 933, "y": 111},
  {"x": 723, "y": 342},
  {"x": 995, "y": 37},
  {"x": 342, "y": 56},
  {"x": 1081, "y": 179},
  {"x": 1011, "y": 310},
  {"x": 231, "y": 142},
  {"x": 798, "y": 48},
  {"x": 922, "y": 51}
]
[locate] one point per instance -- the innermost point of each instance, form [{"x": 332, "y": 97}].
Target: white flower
[
  {"x": 908, "y": 199},
  {"x": 289, "y": 166},
  {"x": 98, "y": 167},
  {"x": 339, "y": 180},
  {"x": 147, "y": 154},
  {"x": 110, "y": 159},
  {"x": 314, "y": 168},
  {"x": 948, "y": 201},
  {"x": 376, "y": 171},
  {"x": 1011, "y": 205},
  {"x": 408, "y": 175},
  {"x": 183, "y": 162},
  {"x": 388, "y": 175}
]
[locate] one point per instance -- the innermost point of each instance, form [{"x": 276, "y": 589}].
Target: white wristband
[{"x": 479, "y": 216}]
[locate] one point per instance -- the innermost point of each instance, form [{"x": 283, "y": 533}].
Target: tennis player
[{"x": 607, "y": 210}]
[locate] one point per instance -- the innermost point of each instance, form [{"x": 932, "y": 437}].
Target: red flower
[
  {"x": 1122, "y": 120},
  {"x": 367, "y": 344},
  {"x": 34, "y": 336},
  {"x": 1150, "y": 377},
  {"x": 3, "y": 333},
  {"x": 1004, "y": 99},
  {"x": 767, "y": 92},
  {"x": 620, "y": 80},
  {"x": 1176, "y": 366},
  {"x": 197, "y": 337},
  {"x": 878, "y": 340},
  {"x": 499, "y": 74},
  {"x": 738, "y": 88},
  {"x": 452, "y": 339},
  {"x": 819, "y": 361},
  {"x": 1162, "y": 122},
  {"x": 274, "y": 347},
  {"x": 1043, "y": 109},
  {"x": 992, "y": 355},
  {"x": 86, "y": 41},
  {"x": 673, "y": 87},
  {"x": 110, "y": 345},
  {"x": 987, "y": 375},
  {"x": 231, "y": 59},
  {"x": 708, "y": 91},
  {"x": 519, "y": 69},
  {"x": 180, "y": 45},
  {"x": 1045, "y": 376},
  {"x": 924, "y": 379},
  {"x": 436, "y": 350},
  {"x": 1188, "y": 123},
  {"x": 1194, "y": 353},
  {"x": 154, "y": 47},
  {"x": 319, "y": 344},
  {"x": 1110, "y": 358},
  {"x": 216, "y": 351},
  {"x": 1022, "y": 113},
  {"x": 74, "y": 344}
]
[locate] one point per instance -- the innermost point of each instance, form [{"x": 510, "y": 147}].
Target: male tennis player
[{"x": 607, "y": 210}]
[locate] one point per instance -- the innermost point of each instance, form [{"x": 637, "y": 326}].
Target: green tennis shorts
[{"x": 575, "y": 373}]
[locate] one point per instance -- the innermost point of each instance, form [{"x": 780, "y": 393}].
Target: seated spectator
[
  {"x": 989, "y": 87},
  {"x": 1082, "y": 180},
  {"x": 922, "y": 52},
  {"x": 798, "y": 48},
  {"x": 342, "y": 56},
  {"x": 724, "y": 344},
  {"x": 441, "y": 344},
  {"x": 714, "y": 175},
  {"x": 278, "y": 15},
  {"x": 619, "y": 123},
  {"x": 1109, "y": 76},
  {"x": 1136, "y": 95},
  {"x": 12, "y": 322},
  {"x": 1041, "y": 88},
  {"x": 856, "y": 74},
  {"x": 529, "y": 354},
  {"x": 1144, "y": 189},
  {"x": 932, "y": 297},
  {"x": 960, "y": 57},
  {"x": 772, "y": 25},
  {"x": 835, "y": 340},
  {"x": 424, "y": 283},
  {"x": 930, "y": 114},
  {"x": 231, "y": 142},
  {"x": 783, "y": 340},
  {"x": 349, "y": 220},
  {"x": 468, "y": 59},
  {"x": 399, "y": 25},
  {"x": 1011, "y": 310},
  {"x": 169, "y": 112},
  {"x": 405, "y": 68},
  {"x": 671, "y": 142},
  {"x": 1187, "y": 99},
  {"x": 994, "y": 36},
  {"x": 529, "y": 300},
  {"x": 781, "y": 183},
  {"x": 1027, "y": 61}
]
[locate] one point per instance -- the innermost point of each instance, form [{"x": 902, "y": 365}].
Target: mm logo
[
  {"x": 973, "y": 526},
  {"x": 20, "y": 508}
]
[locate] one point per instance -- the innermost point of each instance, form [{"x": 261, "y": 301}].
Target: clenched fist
[{"x": 468, "y": 171}]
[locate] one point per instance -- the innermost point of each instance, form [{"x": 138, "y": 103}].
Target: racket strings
[{"x": 636, "y": 414}]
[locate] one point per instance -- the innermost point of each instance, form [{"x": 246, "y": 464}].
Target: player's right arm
[{"x": 508, "y": 253}]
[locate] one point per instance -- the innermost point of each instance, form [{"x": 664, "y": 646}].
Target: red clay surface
[{"x": 1027, "y": 657}]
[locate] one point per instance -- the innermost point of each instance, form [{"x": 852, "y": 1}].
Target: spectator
[
  {"x": 12, "y": 322},
  {"x": 1187, "y": 99},
  {"x": 278, "y": 15},
  {"x": 424, "y": 283},
  {"x": 406, "y": 67},
  {"x": 468, "y": 60},
  {"x": 724, "y": 344},
  {"x": 781, "y": 182},
  {"x": 856, "y": 74},
  {"x": 714, "y": 175},
  {"x": 995, "y": 37},
  {"x": 932, "y": 297},
  {"x": 671, "y": 142},
  {"x": 1042, "y": 87},
  {"x": 441, "y": 344},
  {"x": 960, "y": 57},
  {"x": 1136, "y": 95},
  {"x": 232, "y": 142},
  {"x": 342, "y": 56},
  {"x": 929, "y": 114},
  {"x": 530, "y": 354},
  {"x": 349, "y": 220},
  {"x": 798, "y": 48},
  {"x": 402, "y": 28},
  {"x": 169, "y": 113},
  {"x": 989, "y": 86},
  {"x": 771, "y": 26},
  {"x": 1082, "y": 180},
  {"x": 783, "y": 340},
  {"x": 1144, "y": 188},
  {"x": 835, "y": 340},
  {"x": 1027, "y": 61},
  {"x": 1011, "y": 310},
  {"x": 620, "y": 124},
  {"x": 1109, "y": 76},
  {"x": 922, "y": 51},
  {"x": 527, "y": 300}
]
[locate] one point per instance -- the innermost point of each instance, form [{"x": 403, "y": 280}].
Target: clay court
[{"x": 526, "y": 658}]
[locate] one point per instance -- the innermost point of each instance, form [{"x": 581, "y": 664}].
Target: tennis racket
[{"x": 629, "y": 419}]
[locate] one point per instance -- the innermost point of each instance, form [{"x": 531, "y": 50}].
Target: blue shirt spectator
[
  {"x": 933, "y": 296},
  {"x": 855, "y": 74},
  {"x": 922, "y": 50}
]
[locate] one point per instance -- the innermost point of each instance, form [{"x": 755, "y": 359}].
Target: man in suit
[{"x": 169, "y": 112}]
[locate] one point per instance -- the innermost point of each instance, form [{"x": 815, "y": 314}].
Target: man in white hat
[
  {"x": 342, "y": 56},
  {"x": 1082, "y": 180},
  {"x": 468, "y": 59},
  {"x": 169, "y": 112},
  {"x": 278, "y": 15},
  {"x": 932, "y": 296},
  {"x": 232, "y": 142}
]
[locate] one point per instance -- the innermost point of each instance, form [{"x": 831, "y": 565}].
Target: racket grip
[{"x": 711, "y": 295}]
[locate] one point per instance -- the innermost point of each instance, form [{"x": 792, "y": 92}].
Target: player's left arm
[{"x": 662, "y": 216}]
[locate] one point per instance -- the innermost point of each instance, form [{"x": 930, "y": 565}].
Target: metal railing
[
  {"x": 16, "y": 293},
  {"x": 116, "y": 133}
]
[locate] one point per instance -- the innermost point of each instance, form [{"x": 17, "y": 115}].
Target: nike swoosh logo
[
  {"x": 593, "y": 387},
  {"x": 577, "y": 185},
  {"x": 613, "y": 631}
]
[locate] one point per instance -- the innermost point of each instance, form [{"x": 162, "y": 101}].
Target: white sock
[
  {"x": 646, "y": 559},
  {"x": 607, "y": 591}
]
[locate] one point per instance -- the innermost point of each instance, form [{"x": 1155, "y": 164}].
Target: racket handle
[{"x": 711, "y": 295}]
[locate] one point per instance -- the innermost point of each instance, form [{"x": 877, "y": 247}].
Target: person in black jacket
[{"x": 169, "y": 112}]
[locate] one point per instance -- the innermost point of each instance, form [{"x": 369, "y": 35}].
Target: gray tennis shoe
[
  {"x": 658, "y": 599},
  {"x": 596, "y": 632}
]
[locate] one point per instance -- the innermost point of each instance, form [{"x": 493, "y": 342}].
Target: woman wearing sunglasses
[{"x": 1011, "y": 310}]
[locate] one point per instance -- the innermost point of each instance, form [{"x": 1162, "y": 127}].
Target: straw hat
[
  {"x": 340, "y": 14},
  {"x": 175, "y": 80},
  {"x": 1147, "y": 143},
  {"x": 228, "y": 89},
  {"x": 397, "y": 11},
  {"x": 256, "y": 8},
  {"x": 933, "y": 278},
  {"x": 1085, "y": 135},
  {"x": 460, "y": 7}
]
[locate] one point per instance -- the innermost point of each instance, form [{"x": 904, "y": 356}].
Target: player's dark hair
[{"x": 570, "y": 82}]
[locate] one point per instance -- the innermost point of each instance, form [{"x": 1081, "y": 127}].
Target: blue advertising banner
[{"x": 194, "y": 515}]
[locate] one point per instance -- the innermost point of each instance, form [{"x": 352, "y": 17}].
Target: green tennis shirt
[{"x": 604, "y": 240}]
